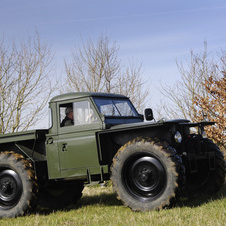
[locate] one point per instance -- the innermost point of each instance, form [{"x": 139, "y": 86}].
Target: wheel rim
[
  {"x": 10, "y": 189},
  {"x": 144, "y": 177}
]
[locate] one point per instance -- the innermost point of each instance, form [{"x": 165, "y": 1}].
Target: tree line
[
  {"x": 27, "y": 82},
  {"x": 200, "y": 93}
]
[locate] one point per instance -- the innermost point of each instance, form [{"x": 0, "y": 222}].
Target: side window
[
  {"x": 66, "y": 115},
  {"x": 83, "y": 113},
  {"x": 77, "y": 113}
]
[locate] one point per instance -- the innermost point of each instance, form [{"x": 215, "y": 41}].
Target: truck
[{"x": 150, "y": 163}]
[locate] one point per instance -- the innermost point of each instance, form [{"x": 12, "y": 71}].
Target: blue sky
[{"x": 156, "y": 33}]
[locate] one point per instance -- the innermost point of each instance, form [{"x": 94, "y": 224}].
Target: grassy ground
[{"x": 99, "y": 206}]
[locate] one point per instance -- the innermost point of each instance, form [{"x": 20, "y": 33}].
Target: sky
[{"x": 154, "y": 33}]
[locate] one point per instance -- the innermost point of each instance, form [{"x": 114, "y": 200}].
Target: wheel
[
  {"x": 205, "y": 180},
  {"x": 18, "y": 186},
  {"x": 147, "y": 174},
  {"x": 57, "y": 195}
]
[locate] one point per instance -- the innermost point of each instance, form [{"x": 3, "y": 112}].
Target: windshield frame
[{"x": 113, "y": 102}]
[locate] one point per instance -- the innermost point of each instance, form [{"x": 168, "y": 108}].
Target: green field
[{"x": 99, "y": 206}]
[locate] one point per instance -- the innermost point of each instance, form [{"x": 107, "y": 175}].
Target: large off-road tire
[
  {"x": 58, "y": 195},
  {"x": 147, "y": 174},
  {"x": 205, "y": 180},
  {"x": 18, "y": 186}
]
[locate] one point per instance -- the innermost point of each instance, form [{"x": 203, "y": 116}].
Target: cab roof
[{"x": 75, "y": 95}]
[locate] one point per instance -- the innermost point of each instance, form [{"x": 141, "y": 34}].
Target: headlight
[
  {"x": 203, "y": 133},
  {"x": 178, "y": 137}
]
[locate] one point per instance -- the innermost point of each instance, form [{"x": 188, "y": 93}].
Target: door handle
[
  {"x": 50, "y": 140},
  {"x": 64, "y": 147}
]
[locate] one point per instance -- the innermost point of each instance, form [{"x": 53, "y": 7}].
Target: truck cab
[{"x": 73, "y": 151}]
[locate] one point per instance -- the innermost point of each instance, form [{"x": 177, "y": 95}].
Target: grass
[{"x": 99, "y": 206}]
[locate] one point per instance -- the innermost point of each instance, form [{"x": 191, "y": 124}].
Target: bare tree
[
  {"x": 181, "y": 97},
  {"x": 130, "y": 84},
  {"x": 201, "y": 89},
  {"x": 25, "y": 85},
  {"x": 95, "y": 67}
]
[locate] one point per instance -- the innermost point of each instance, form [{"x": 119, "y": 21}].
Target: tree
[
  {"x": 181, "y": 95},
  {"x": 95, "y": 67},
  {"x": 215, "y": 106},
  {"x": 199, "y": 90},
  {"x": 25, "y": 85}
]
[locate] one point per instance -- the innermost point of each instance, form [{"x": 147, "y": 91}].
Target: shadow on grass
[
  {"x": 103, "y": 199},
  {"x": 199, "y": 199},
  {"x": 106, "y": 199}
]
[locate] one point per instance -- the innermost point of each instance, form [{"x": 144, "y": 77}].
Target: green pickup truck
[{"x": 94, "y": 137}]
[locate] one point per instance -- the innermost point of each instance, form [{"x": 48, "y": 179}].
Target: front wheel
[
  {"x": 206, "y": 180},
  {"x": 147, "y": 174}
]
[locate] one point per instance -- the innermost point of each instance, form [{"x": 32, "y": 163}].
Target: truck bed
[{"x": 23, "y": 136}]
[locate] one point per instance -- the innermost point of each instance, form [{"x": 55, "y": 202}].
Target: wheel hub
[
  {"x": 147, "y": 177},
  {"x": 6, "y": 187}
]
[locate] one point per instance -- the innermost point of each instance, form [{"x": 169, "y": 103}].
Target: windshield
[{"x": 115, "y": 107}]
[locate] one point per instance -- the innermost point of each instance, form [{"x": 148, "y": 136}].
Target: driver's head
[{"x": 69, "y": 112}]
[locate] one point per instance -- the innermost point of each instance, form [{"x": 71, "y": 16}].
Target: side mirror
[{"x": 148, "y": 114}]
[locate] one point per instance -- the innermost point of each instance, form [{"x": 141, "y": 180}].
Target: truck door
[{"x": 76, "y": 139}]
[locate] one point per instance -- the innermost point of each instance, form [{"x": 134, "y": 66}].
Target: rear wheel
[
  {"x": 57, "y": 195},
  {"x": 18, "y": 187},
  {"x": 147, "y": 174}
]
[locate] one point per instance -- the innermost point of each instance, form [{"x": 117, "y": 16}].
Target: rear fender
[{"x": 37, "y": 160}]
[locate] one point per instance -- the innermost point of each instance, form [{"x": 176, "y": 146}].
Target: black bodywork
[{"x": 192, "y": 149}]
